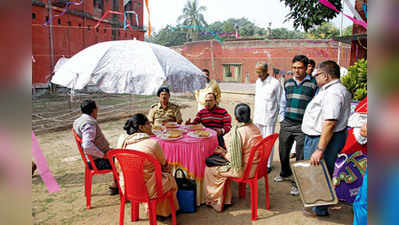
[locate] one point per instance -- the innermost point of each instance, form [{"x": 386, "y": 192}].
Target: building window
[
  {"x": 69, "y": 23},
  {"x": 79, "y": 25},
  {"x": 59, "y": 21},
  {"x": 98, "y": 4},
  {"x": 232, "y": 72},
  {"x": 33, "y": 16},
  {"x": 88, "y": 27}
]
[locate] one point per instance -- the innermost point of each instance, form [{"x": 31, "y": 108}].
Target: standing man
[
  {"x": 298, "y": 92},
  {"x": 311, "y": 66},
  {"x": 214, "y": 117},
  {"x": 94, "y": 142},
  {"x": 164, "y": 111},
  {"x": 211, "y": 86},
  {"x": 267, "y": 104},
  {"x": 325, "y": 120}
]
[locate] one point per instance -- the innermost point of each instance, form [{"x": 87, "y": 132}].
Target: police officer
[{"x": 164, "y": 111}]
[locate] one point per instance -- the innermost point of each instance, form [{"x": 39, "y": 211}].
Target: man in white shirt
[
  {"x": 267, "y": 100},
  {"x": 324, "y": 122}
]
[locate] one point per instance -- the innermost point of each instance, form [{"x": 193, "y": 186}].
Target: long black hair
[{"x": 132, "y": 124}]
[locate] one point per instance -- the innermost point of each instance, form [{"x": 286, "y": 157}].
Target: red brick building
[
  {"x": 75, "y": 30},
  {"x": 235, "y": 60}
]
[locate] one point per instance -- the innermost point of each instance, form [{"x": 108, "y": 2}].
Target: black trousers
[{"x": 290, "y": 131}]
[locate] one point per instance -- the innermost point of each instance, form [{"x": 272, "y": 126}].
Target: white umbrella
[{"x": 129, "y": 66}]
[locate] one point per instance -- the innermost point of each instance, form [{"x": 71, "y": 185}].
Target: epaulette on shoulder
[{"x": 152, "y": 106}]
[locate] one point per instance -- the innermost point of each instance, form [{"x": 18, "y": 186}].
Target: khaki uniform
[{"x": 172, "y": 113}]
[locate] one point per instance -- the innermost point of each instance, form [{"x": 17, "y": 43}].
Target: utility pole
[
  {"x": 50, "y": 26},
  {"x": 339, "y": 43}
]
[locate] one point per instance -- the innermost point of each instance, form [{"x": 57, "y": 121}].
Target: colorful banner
[
  {"x": 125, "y": 24},
  {"x": 42, "y": 166},
  {"x": 331, "y": 6},
  {"x": 63, "y": 12},
  {"x": 105, "y": 15}
]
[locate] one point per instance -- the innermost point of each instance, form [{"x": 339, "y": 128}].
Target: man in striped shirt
[{"x": 214, "y": 117}]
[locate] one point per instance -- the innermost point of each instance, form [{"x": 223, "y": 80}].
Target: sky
[{"x": 260, "y": 12}]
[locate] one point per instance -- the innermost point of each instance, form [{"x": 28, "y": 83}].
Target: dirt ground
[{"x": 67, "y": 206}]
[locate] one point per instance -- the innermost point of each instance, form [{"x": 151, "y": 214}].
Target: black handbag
[
  {"x": 215, "y": 160},
  {"x": 186, "y": 193}
]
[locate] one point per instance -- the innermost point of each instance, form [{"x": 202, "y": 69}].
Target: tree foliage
[
  {"x": 284, "y": 33},
  {"x": 324, "y": 31},
  {"x": 356, "y": 80},
  {"x": 348, "y": 31},
  {"x": 309, "y": 13},
  {"x": 192, "y": 16}
]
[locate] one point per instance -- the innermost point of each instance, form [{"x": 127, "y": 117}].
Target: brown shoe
[
  {"x": 113, "y": 190},
  {"x": 34, "y": 167}
]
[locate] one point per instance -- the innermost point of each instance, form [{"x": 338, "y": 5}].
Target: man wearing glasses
[
  {"x": 297, "y": 93},
  {"x": 324, "y": 122}
]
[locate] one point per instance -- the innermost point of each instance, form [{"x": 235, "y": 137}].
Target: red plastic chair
[
  {"x": 263, "y": 148},
  {"x": 132, "y": 165},
  {"x": 88, "y": 172}
]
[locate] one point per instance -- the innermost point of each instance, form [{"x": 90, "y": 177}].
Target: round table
[{"x": 189, "y": 154}]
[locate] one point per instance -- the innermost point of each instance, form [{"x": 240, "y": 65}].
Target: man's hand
[
  {"x": 316, "y": 157},
  {"x": 188, "y": 122},
  {"x": 219, "y": 131}
]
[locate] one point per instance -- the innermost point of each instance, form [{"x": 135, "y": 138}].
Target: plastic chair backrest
[
  {"x": 82, "y": 154},
  {"x": 132, "y": 165},
  {"x": 263, "y": 148}
]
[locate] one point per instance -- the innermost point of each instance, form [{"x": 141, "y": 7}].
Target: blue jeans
[{"x": 330, "y": 155}]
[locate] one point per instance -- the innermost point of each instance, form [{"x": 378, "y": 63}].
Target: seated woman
[
  {"x": 138, "y": 130},
  {"x": 239, "y": 141}
]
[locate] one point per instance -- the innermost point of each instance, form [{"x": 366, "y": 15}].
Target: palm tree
[{"x": 193, "y": 17}]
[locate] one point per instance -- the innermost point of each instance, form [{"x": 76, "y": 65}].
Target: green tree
[
  {"x": 192, "y": 16},
  {"x": 348, "y": 31},
  {"x": 356, "y": 80},
  {"x": 324, "y": 31},
  {"x": 168, "y": 36},
  {"x": 284, "y": 33},
  {"x": 309, "y": 13}
]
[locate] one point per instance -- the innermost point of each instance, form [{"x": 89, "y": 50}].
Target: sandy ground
[{"x": 67, "y": 206}]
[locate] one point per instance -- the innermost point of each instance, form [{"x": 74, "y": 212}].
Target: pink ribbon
[
  {"x": 42, "y": 166},
  {"x": 105, "y": 15},
  {"x": 331, "y": 6}
]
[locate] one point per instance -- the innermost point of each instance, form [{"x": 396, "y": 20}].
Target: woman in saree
[
  {"x": 238, "y": 141},
  {"x": 137, "y": 137}
]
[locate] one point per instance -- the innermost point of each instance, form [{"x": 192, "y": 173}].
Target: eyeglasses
[{"x": 317, "y": 74}]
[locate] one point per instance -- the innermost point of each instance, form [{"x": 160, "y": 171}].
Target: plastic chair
[
  {"x": 263, "y": 148},
  {"x": 89, "y": 172},
  {"x": 132, "y": 166}
]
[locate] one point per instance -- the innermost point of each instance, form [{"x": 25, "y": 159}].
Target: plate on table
[
  {"x": 200, "y": 134},
  {"x": 171, "y": 125},
  {"x": 170, "y": 136},
  {"x": 195, "y": 127},
  {"x": 175, "y": 130}
]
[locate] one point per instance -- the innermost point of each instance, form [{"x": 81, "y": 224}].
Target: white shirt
[
  {"x": 333, "y": 102},
  {"x": 267, "y": 101}
]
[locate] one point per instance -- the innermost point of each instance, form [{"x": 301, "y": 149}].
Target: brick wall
[{"x": 277, "y": 53}]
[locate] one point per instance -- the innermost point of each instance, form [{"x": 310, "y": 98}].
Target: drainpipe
[
  {"x": 51, "y": 39},
  {"x": 213, "y": 60}
]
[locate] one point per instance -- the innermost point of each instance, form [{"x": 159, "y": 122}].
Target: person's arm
[
  {"x": 218, "y": 93},
  {"x": 179, "y": 118},
  {"x": 283, "y": 104},
  {"x": 278, "y": 94},
  {"x": 327, "y": 131},
  {"x": 151, "y": 116},
  {"x": 88, "y": 136},
  {"x": 226, "y": 123},
  {"x": 197, "y": 119}
]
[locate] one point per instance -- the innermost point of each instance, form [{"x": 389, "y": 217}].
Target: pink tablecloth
[{"x": 189, "y": 152}]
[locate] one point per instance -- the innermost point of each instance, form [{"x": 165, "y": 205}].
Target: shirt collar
[
  {"x": 329, "y": 84},
  {"x": 307, "y": 77},
  {"x": 90, "y": 117},
  {"x": 268, "y": 78}
]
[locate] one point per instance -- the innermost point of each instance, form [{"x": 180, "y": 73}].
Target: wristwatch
[{"x": 318, "y": 148}]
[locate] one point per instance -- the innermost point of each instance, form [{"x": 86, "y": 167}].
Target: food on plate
[
  {"x": 174, "y": 134},
  {"x": 170, "y": 124},
  {"x": 202, "y": 133},
  {"x": 196, "y": 127},
  {"x": 157, "y": 127}
]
